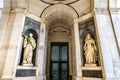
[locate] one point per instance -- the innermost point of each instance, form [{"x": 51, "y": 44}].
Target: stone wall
[
  {"x": 106, "y": 17},
  {"x": 107, "y": 25},
  {"x": 10, "y": 43}
]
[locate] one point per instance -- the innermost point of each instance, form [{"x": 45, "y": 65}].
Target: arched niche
[
  {"x": 88, "y": 27},
  {"x": 30, "y": 26},
  {"x": 59, "y": 11},
  {"x": 35, "y": 36},
  {"x": 59, "y": 25}
]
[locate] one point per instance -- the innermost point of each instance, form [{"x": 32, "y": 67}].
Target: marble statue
[
  {"x": 90, "y": 50},
  {"x": 29, "y": 45}
]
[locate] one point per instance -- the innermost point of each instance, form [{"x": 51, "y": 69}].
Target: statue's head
[
  {"x": 30, "y": 34},
  {"x": 25, "y": 36},
  {"x": 88, "y": 36}
]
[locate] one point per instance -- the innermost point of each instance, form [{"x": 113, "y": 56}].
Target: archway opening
[
  {"x": 60, "y": 46},
  {"x": 60, "y": 41}
]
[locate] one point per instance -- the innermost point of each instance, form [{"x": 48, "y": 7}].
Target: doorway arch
[{"x": 59, "y": 29}]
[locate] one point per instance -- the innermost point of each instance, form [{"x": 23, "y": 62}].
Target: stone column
[
  {"x": 77, "y": 50},
  {"x": 41, "y": 51},
  {"x": 11, "y": 42}
]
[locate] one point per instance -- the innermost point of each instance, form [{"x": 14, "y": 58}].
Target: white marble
[
  {"x": 114, "y": 3},
  {"x": 90, "y": 78},
  {"x": 108, "y": 43},
  {"x": 82, "y": 7},
  {"x": 10, "y": 35},
  {"x": 25, "y": 78},
  {"x": 77, "y": 50},
  {"x": 116, "y": 24},
  {"x": 13, "y": 37},
  {"x": 41, "y": 52},
  {"x": 101, "y": 4},
  {"x": 36, "y": 10},
  {"x": 3, "y": 20}
]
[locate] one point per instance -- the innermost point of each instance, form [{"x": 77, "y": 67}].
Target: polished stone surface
[{"x": 106, "y": 27}]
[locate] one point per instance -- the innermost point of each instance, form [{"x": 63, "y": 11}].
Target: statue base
[
  {"x": 29, "y": 65},
  {"x": 89, "y": 65}
]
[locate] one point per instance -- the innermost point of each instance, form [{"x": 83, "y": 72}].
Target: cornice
[
  {"x": 5, "y": 10},
  {"x": 101, "y": 10},
  {"x": 115, "y": 10},
  {"x": 18, "y": 10}
]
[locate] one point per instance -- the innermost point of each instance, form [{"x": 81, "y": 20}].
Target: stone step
[
  {"x": 90, "y": 78},
  {"x": 25, "y": 78}
]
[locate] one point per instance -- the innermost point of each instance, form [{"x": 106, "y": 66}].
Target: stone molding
[
  {"x": 18, "y": 10},
  {"x": 85, "y": 17},
  {"x": 5, "y": 10},
  {"x": 51, "y": 10},
  {"x": 8, "y": 46},
  {"x": 103, "y": 11}
]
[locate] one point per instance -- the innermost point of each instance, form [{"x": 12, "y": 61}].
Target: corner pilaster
[
  {"x": 10, "y": 43},
  {"x": 42, "y": 51},
  {"x": 77, "y": 50}
]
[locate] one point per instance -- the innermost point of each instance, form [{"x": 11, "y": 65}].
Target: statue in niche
[
  {"x": 29, "y": 45},
  {"x": 90, "y": 51}
]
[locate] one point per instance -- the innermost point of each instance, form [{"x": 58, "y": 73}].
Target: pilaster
[
  {"x": 4, "y": 18},
  {"x": 41, "y": 51},
  {"x": 10, "y": 43},
  {"x": 107, "y": 38},
  {"x": 115, "y": 20},
  {"x": 77, "y": 50}
]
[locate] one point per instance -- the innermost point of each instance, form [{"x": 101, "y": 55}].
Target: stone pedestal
[
  {"x": 90, "y": 65},
  {"x": 27, "y": 65}
]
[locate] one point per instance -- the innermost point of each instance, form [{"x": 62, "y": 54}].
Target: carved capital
[
  {"x": 18, "y": 10},
  {"x": 75, "y": 20},
  {"x": 5, "y": 10},
  {"x": 43, "y": 20}
]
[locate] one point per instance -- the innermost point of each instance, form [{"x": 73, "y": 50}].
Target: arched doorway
[
  {"x": 59, "y": 50},
  {"x": 60, "y": 59}
]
